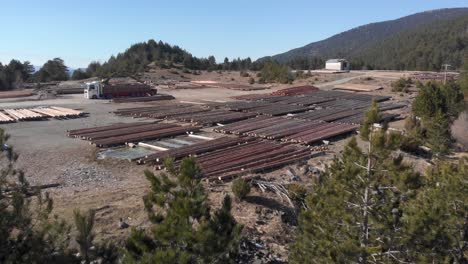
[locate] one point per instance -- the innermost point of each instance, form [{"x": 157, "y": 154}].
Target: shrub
[
  {"x": 251, "y": 80},
  {"x": 244, "y": 74},
  {"x": 402, "y": 85},
  {"x": 297, "y": 192},
  {"x": 240, "y": 188}
]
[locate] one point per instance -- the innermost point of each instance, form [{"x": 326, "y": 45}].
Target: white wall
[{"x": 333, "y": 66}]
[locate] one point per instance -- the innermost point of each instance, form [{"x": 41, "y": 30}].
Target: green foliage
[
  {"x": 436, "y": 220},
  {"x": 274, "y": 72},
  {"x": 297, "y": 192},
  {"x": 80, "y": 75},
  {"x": 28, "y": 231},
  {"x": 438, "y": 106},
  {"x": 372, "y": 116},
  {"x": 84, "y": 224},
  {"x": 414, "y": 136},
  {"x": 354, "y": 213},
  {"x": 14, "y": 73},
  {"x": 306, "y": 63},
  {"x": 52, "y": 70},
  {"x": 424, "y": 48},
  {"x": 423, "y": 41},
  {"x": 439, "y": 136},
  {"x": 136, "y": 58},
  {"x": 464, "y": 75},
  {"x": 240, "y": 188},
  {"x": 184, "y": 229},
  {"x": 402, "y": 85}
]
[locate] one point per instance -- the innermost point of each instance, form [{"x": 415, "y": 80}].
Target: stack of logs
[
  {"x": 118, "y": 134},
  {"x": 289, "y": 130},
  {"x": 13, "y": 115}
]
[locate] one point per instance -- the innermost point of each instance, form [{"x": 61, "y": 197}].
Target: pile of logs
[
  {"x": 288, "y": 130},
  {"x": 118, "y": 134},
  {"x": 13, "y": 115},
  {"x": 157, "y": 97},
  {"x": 298, "y": 90}
]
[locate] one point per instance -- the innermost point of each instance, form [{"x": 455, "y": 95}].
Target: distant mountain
[{"x": 358, "y": 41}]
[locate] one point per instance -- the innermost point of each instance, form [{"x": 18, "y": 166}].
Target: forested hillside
[
  {"x": 425, "y": 48},
  {"x": 415, "y": 32}
]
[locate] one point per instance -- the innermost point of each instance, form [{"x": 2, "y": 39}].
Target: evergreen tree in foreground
[
  {"x": 354, "y": 214},
  {"x": 437, "y": 220},
  {"x": 184, "y": 228},
  {"x": 28, "y": 231}
]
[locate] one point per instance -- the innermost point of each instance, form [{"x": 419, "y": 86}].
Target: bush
[
  {"x": 244, "y": 74},
  {"x": 402, "y": 85},
  {"x": 297, "y": 192},
  {"x": 240, "y": 188},
  {"x": 251, "y": 80}
]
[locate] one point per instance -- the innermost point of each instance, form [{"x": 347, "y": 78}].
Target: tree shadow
[{"x": 288, "y": 214}]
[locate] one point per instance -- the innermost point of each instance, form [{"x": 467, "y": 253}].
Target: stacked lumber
[
  {"x": 13, "y": 115},
  {"x": 251, "y": 157},
  {"x": 227, "y": 158},
  {"x": 57, "y": 112},
  {"x": 298, "y": 90},
  {"x": 357, "y": 87},
  {"x": 288, "y": 130},
  {"x": 118, "y": 134},
  {"x": 157, "y": 97},
  {"x": 185, "y": 113},
  {"x": 5, "y": 118},
  {"x": 15, "y": 94},
  {"x": 195, "y": 149},
  {"x": 22, "y": 114}
]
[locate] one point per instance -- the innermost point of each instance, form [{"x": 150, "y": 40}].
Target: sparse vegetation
[
  {"x": 240, "y": 188},
  {"x": 244, "y": 74}
]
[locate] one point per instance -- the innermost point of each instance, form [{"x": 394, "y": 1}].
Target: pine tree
[
  {"x": 372, "y": 116},
  {"x": 184, "y": 228},
  {"x": 84, "y": 224},
  {"x": 28, "y": 231},
  {"x": 354, "y": 214},
  {"x": 436, "y": 221},
  {"x": 438, "y": 134}
]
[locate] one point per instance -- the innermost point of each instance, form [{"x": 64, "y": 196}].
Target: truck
[{"x": 101, "y": 90}]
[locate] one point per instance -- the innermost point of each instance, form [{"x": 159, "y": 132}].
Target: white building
[{"x": 337, "y": 65}]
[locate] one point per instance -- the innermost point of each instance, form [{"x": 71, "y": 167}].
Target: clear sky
[{"x": 81, "y": 31}]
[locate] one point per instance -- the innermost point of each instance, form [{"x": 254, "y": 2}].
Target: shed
[{"x": 337, "y": 65}]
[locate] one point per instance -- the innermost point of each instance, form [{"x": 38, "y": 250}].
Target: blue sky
[{"x": 83, "y": 31}]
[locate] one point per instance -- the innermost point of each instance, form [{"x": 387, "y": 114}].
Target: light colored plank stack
[
  {"x": 58, "y": 112},
  {"x": 22, "y": 114},
  {"x": 68, "y": 110},
  {"x": 5, "y": 118},
  {"x": 13, "y": 115}
]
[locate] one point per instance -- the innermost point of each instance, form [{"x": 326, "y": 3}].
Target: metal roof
[{"x": 335, "y": 60}]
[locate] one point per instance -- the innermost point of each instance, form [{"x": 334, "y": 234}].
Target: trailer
[{"x": 99, "y": 90}]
